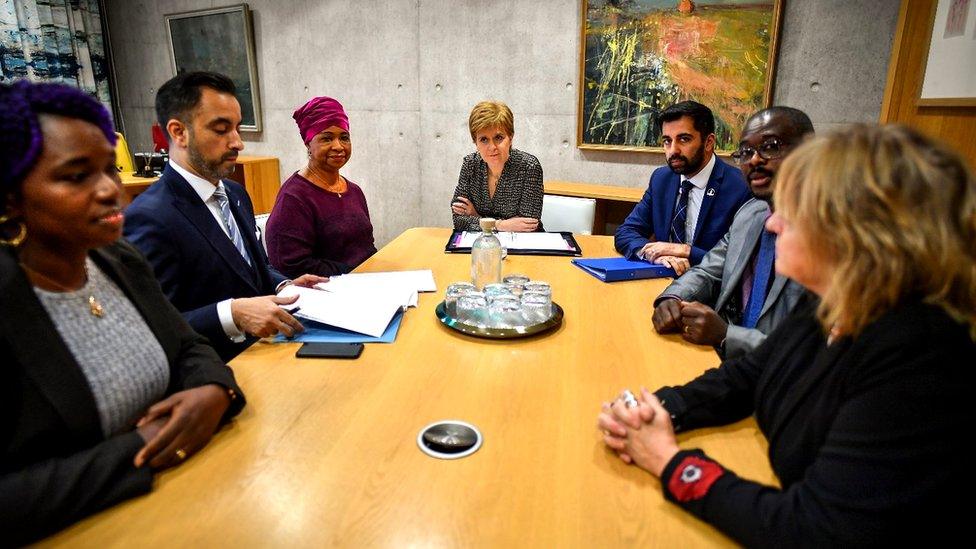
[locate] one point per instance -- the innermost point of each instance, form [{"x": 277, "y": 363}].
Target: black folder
[{"x": 573, "y": 249}]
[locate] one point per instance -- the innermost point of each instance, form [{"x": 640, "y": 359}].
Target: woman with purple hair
[{"x": 103, "y": 383}]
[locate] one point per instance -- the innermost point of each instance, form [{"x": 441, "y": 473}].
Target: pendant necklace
[{"x": 94, "y": 307}]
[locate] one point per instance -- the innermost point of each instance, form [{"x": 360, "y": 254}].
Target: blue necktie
[
  {"x": 680, "y": 218},
  {"x": 760, "y": 280},
  {"x": 230, "y": 223}
]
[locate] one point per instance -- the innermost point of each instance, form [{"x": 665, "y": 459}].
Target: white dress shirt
[{"x": 695, "y": 197}]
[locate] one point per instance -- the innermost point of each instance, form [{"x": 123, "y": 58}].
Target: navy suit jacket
[
  {"x": 725, "y": 193},
  {"x": 195, "y": 262}
]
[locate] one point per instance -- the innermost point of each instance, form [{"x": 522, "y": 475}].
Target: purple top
[{"x": 315, "y": 231}]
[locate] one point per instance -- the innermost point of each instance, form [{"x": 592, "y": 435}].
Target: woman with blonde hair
[
  {"x": 497, "y": 181},
  {"x": 863, "y": 393}
]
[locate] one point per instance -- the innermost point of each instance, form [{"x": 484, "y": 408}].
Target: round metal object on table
[
  {"x": 449, "y": 439},
  {"x": 499, "y": 333}
]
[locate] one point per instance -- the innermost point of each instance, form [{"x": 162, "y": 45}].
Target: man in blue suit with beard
[
  {"x": 689, "y": 204},
  {"x": 197, "y": 229}
]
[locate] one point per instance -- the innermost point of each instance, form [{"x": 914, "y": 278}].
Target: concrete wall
[{"x": 409, "y": 71}]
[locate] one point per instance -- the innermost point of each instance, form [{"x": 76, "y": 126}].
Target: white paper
[
  {"x": 520, "y": 241},
  {"x": 351, "y": 309},
  {"x": 406, "y": 282}
]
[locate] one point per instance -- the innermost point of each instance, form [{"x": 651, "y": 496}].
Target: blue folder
[
  {"x": 323, "y": 333},
  {"x": 613, "y": 269}
]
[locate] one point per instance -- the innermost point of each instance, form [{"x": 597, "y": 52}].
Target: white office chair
[
  {"x": 566, "y": 213},
  {"x": 262, "y": 220}
]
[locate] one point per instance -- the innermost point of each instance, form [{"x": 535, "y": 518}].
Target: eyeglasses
[{"x": 771, "y": 149}]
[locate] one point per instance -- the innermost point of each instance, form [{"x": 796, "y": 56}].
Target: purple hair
[{"x": 21, "y": 139}]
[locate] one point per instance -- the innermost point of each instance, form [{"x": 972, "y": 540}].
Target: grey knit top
[
  {"x": 123, "y": 362},
  {"x": 518, "y": 193}
]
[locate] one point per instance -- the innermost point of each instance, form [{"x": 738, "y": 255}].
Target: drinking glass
[
  {"x": 472, "y": 308},
  {"x": 515, "y": 283},
  {"x": 504, "y": 311},
  {"x": 454, "y": 291},
  {"x": 538, "y": 286},
  {"x": 536, "y": 307},
  {"x": 496, "y": 289}
]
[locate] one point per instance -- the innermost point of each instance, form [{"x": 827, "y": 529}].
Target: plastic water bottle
[{"x": 486, "y": 256}]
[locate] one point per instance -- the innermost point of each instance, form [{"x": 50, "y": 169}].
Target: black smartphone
[{"x": 330, "y": 350}]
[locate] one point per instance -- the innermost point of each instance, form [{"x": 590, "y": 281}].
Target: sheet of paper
[
  {"x": 410, "y": 282},
  {"x": 366, "y": 312},
  {"x": 518, "y": 241}
]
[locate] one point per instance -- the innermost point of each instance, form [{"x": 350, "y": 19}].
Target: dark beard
[
  {"x": 692, "y": 165},
  {"x": 210, "y": 171}
]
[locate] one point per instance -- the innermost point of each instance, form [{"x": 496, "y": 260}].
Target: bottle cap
[{"x": 487, "y": 223}]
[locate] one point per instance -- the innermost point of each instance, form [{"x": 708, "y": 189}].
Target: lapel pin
[{"x": 710, "y": 192}]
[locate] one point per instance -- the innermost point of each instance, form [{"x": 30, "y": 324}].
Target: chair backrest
[
  {"x": 261, "y": 220},
  {"x": 123, "y": 160},
  {"x": 566, "y": 213}
]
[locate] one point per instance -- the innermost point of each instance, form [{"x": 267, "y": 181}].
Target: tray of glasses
[{"x": 515, "y": 331}]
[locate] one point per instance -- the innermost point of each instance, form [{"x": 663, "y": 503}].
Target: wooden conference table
[{"x": 325, "y": 453}]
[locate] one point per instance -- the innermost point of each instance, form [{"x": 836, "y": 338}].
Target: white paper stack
[
  {"x": 363, "y": 309},
  {"x": 408, "y": 282}
]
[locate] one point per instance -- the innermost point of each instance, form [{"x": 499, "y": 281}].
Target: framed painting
[
  {"x": 219, "y": 40},
  {"x": 637, "y": 57},
  {"x": 950, "y": 74}
]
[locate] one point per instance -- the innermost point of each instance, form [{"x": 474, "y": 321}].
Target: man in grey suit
[{"x": 733, "y": 298}]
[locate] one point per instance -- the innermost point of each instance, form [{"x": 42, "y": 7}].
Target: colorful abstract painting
[
  {"x": 639, "y": 56},
  {"x": 54, "y": 41}
]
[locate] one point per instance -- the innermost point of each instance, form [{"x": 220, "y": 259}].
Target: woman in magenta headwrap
[{"x": 320, "y": 222}]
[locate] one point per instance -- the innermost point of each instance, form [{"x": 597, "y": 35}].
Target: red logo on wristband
[{"x": 693, "y": 477}]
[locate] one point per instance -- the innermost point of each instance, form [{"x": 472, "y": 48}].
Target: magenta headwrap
[{"x": 318, "y": 114}]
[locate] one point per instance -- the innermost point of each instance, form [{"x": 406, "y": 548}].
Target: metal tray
[{"x": 500, "y": 333}]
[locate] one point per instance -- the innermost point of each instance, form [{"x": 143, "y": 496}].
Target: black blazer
[
  {"x": 55, "y": 465},
  {"x": 194, "y": 261},
  {"x": 868, "y": 437}
]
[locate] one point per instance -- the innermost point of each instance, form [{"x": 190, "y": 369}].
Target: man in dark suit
[
  {"x": 197, "y": 229},
  {"x": 732, "y": 299},
  {"x": 689, "y": 204}
]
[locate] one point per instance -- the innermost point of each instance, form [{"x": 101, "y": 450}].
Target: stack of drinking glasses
[{"x": 514, "y": 302}]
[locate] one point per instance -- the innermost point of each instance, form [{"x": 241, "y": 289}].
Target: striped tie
[
  {"x": 680, "y": 218},
  {"x": 230, "y": 223}
]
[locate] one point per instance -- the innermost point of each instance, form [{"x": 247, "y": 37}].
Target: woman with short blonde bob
[
  {"x": 864, "y": 391},
  {"x": 497, "y": 181}
]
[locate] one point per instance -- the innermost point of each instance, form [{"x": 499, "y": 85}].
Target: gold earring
[{"x": 21, "y": 233}]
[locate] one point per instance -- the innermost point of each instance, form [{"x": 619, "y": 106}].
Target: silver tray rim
[{"x": 499, "y": 333}]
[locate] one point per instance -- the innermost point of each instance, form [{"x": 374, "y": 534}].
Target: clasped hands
[
  {"x": 640, "y": 432},
  {"x": 670, "y": 254},
  {"x": 463, "y": 206},
  {"x": 697, "y": 323},
  {"x": 180, "y": 425},
  {"x": 262, "y": 316}
]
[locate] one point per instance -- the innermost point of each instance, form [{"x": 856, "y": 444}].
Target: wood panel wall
[{"x": 953, "y": 125}]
